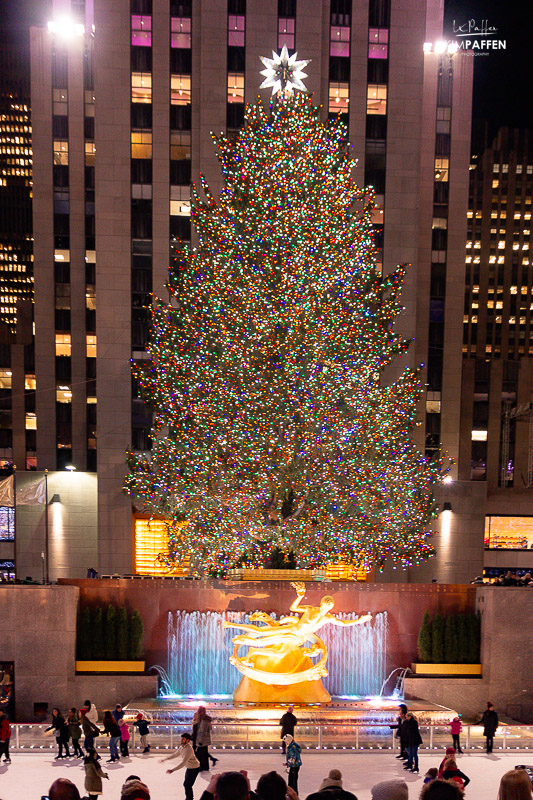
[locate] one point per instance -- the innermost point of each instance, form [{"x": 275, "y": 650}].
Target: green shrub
[
  {"x": 473, "y": 642},
  {"x": 110, "y": 633},
  {"x": 122, "y": 634},
  {"x": 424, "y": 640},
  {"x": 450, "y": 640},
  {"x": 461, "y": 638},
  {"x": 437, "y": 639},
  {"x": 136, "y": 631},
  {"x": 98, "y": 634},
  {"x": 85, "y": 635}
]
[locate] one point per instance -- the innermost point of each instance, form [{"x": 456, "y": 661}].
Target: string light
[{"x": 272, "y": 424}]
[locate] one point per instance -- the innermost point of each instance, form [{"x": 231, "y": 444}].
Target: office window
[
  {"x": 141, "y": 87},
  {"x": 60, "y": 102},
  {"x": 338, "y": 98},
  {"x": 235, "y": 87},
  {"x": 91, "y": 346},
  {"x": 5, "y": 378},
  {"x": 31, "y": 421},
  {"x": 141, "y": 144},
  {"x": 61, "y": 152},
  {"x": 64, "y": 394},
  {"x": 90, "y": 150},
  {"x": 376, "y": 102},
  {"x": 442, "y": 166},
  {"x": 180, "y": 32},
  {"x": 63, "y": 344},
  {"x": 180, "y": 208},
  {"x": 339, "y": 44},
  {"x": 180, "y": 146},
  {"x": 180, "y": 90},
  {"x": 378, "y": 43},
  {"x": 89, "y": 103},
  {"x": 236, "y": 28},
  {"x": 286, "y": 29},
  {"x": 141, "y": 30},
  {"x": 443, "y": 119}
]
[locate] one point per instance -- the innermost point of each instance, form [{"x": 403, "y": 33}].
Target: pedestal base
[{"x": 250, "y": 691}]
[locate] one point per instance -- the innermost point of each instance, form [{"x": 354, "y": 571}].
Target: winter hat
[
  {"x": 135, "y": 790},
  {"x": 288, "y": 738},
  {"x": 334, "y": 779},
  {"x": 140, "y": 716},
  {"x": 390, "y": 790},
  {"x": 450, "y": 751}
]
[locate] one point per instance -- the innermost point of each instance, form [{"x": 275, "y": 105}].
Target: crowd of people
[{"x": 505, "y": 579}]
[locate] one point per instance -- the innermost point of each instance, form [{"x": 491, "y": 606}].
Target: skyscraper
[{"x": 124, "y": 99}]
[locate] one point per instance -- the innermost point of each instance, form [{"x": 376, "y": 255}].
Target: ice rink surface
[{"x": 30, "y": 775}]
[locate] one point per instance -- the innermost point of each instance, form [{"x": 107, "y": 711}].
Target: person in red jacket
[
  {"x": 456, "y": 727},
  {"x": 5, "y": 736}
]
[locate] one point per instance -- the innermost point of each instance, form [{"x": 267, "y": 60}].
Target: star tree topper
[{"x": 283, "y": 72}]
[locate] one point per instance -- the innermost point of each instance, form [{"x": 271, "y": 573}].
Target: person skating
[
  {"x": 142, "y": 726},
  {"x": 5, "y": 736},
  {"x": 73, "y": 722},
  {"x": 452, "y": 773},
  {"x": 188, "y": 760},
  {"x": 489, "y": 720},
  {"x": 288, "y": 723},
  {"x": 203, "y": 724},
  {"x": 413, "y": 740},
  {"x": 118, "y": 713},
  {"x": 450, "y": 751},
  {"x": 400, "y": 719},
  {"x": 93, "y": 774},
  {"x": 294, "y": 760},
  {"x": 113, "y": 731},
  {"x": 124, "y": 737},
  {"x": 455, "y": 728},
  {"x": 62, "y": 733},
  {"x": 90, "y": 730},
  {"x": 92, "y": 712},
  {"x": 195, "y": 725}
]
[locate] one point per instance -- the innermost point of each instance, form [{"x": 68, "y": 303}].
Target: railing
[{"x": 250, "y": 736}]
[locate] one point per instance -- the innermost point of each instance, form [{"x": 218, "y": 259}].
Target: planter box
[
  {"x": 109, "y": 666},
  {"x": 277, "y": 574},
  {"x": 446, "y": 669}
]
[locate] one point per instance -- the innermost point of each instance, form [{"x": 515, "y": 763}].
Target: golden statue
[{"x": 278, "y": 665}]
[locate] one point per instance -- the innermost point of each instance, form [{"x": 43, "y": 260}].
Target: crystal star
[{"x": 283, "y": 72}]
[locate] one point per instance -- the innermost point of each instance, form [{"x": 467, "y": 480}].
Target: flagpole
[{"x": 46, "y": 524}]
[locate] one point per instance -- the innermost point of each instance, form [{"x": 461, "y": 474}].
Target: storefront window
[{"x": 512, "y": 533}]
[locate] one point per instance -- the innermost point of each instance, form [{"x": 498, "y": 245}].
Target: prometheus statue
[{"x": 278, "y": 665}]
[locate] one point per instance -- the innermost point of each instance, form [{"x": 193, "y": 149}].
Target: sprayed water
[{"x": 199, "y": 649}]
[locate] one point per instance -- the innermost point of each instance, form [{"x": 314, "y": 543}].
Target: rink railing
[{"x": 226, "y": 737}]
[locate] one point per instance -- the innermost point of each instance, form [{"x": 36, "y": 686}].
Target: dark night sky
[{"x": 503, "y": 80}]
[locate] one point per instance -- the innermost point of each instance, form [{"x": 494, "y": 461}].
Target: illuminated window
[
  {"x": 141, "y": 87},
  {"x": 61, "y": 255},
  {"x": 5, "y": 378},
  {"x": 63, "y": 394},
  {"x": 235, "y": 87},
  {"x": 479, "y": 436},
  {"x": 180, "y": 208},
  {"x": 339, "y": 40},
  {"x": 90, "y": 298},
  {"x": 141, "y": 30},
  {"x": 180, "y": 146},
  {"x": 442, "y": 166},
  {"x": 60, "y": 102},
  {"x": 378, "y": 39},
  {"x": 30, "y": 384},
  {"x": 90, "y": 150},
  {"x": 338, "y": 98},
  {"x": 236, "y": 28},
  {"x": 495, "y": 184},
  {"x": 440, "y": 222},
  {"x": 91, "y": 346},
  {"x": 151, "y": 539},
  {"x": 180, "y": 90},
  {"x": 286, "y": 27},
  {"x": 512, "y": 533},
  {"x": 180, "y": 32},
  {"x": 141, "y": 144},
  {"x": 376, "y": 102},
  {"x": 60, "y": 152},
  {"x": 63, "y": 344},
  {"x": 31, "y": 421}
]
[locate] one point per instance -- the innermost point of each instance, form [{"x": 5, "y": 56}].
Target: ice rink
[{"x": 30, "y": 775}]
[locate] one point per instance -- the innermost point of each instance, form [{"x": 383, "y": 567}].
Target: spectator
[
  {"x": 5, "y": 736},
  {"x": 455, "y": 728},
  {"x": 452, "y": 773},
  {"x": 228, "y": 786},
  {"x": 134, "y": 789},
  {"x": 63, "y": 789},
  {"x": 441, "y": 790},
  {"x": 515, "y": 785},
  {"x": 288, "y": 723},
  {"x": 142, "y": 726},
  {"x": 390, "y": 790},
  {"x": 272, "y": 786},
  {"x": 331, "y": 788}
]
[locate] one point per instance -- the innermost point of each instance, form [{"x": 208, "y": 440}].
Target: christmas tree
[{"x": 273, "y": 426}]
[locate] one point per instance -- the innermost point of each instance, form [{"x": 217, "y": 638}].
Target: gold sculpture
[{"x": 278, "y": 665}]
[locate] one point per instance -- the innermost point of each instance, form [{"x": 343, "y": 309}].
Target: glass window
[
  {"x": 141, "y": 30},
  {"x": 235, "y": 87},
  {"x": 64, "y": 394},
  {"x": 180, "y": 32},
  {"x": 91, "y": 346},
  {"x": 514, "y": 533},
  {"x": 60, "y": 97},
  {"x": 339, "y": 41},
  {"x": 60, "y": 152},
  {"x": 7, "y": 526},
  {"x": 442, "y": 166},
  {"x": 180, "y": 208},
  {"x": 89, "y": 103},
  {"x": 90, "y": 150},
  {"x": 180, "y": 90},
  {"x": 286, "y": 29},
  {"x": 5, "y": 378},
  {"x": 141, "y": 87},
  {"x": 378, "y": 42},
  {"x": 141, "y": 144},
  {"x": 31, "y": 421},
  {"x": 376, "y": 102},
  {"x": 30, "y": 384},
  {"x": 236, "y": 28},
  {"x": 63, "y": 344},
  {"x": 180, "y": 146},
  {"x": 338, "y": 98}
]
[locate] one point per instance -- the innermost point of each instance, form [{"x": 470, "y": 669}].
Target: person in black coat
[
  {"x": 62, "y": 732},
  {"x": 490, "y": 723},
  {"x": 413, "y": 740},
  {"x": 400, "y": 719},
  {"x": 288, "y": 723}
]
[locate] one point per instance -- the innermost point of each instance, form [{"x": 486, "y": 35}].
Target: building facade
[{"x": 124, "y": 99}]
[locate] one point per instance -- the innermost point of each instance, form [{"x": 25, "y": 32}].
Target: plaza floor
[{"x": 30, "y": 775}]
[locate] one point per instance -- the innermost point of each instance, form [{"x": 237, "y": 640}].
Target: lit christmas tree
[{"x": 272, "y": 426}]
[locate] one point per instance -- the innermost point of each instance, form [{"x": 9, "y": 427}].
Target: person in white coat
[{"x": 188, "y": 760}]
